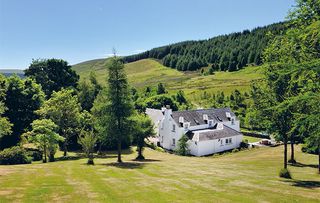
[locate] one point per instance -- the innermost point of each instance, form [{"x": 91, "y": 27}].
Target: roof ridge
[{"x": 203, "y": 109}]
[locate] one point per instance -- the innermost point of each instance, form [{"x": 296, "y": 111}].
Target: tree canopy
[{"x": 52, "y": 74}]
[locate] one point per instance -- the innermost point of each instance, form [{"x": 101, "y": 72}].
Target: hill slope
[
  {"x": 226, "y": 52},
  {"x": 148, "y": 72}
]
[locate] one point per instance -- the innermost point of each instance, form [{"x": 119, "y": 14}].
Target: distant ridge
[{"x": 9, "y": 72}]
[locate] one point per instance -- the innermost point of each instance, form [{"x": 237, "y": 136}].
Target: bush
[
  {"x": 235, "y": 150},
  {"x": 35, "y": 154},
  {"x": 285, "y": 173},
  {"x": 14, "y": 155},
  {"x": 244, "y": 144}
]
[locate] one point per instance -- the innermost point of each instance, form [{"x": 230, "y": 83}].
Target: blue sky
[{"x": 79, "y": 30}]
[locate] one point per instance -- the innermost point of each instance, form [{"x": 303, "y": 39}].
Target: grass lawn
[
  {"x": 251, "y": 139},
  {"x": 148, "y": 72},
  {"x": 246, "y": 176}
]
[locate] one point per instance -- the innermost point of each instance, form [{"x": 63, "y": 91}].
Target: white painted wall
[
  {"x": 196, "y": 148},
  {"x": 208, "y": 147}
]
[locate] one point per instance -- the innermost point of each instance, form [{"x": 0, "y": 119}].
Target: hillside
[
  {"x": 226, "y": 52},
  {"x": 9, "y": 72},
  {"x": 246, "y": 176},
  {"x": 148, "y": 72}
]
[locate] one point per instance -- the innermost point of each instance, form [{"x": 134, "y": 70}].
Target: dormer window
[
  {"x": 210, "y": 123},
  {"x": 205, "y": 118},
  {"x": 186, "y": 126}
]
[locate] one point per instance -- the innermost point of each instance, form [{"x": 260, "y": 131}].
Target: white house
[{"x": 209, "y": 130}]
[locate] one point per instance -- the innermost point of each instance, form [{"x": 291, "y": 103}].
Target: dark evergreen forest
[{"x": 226, "y": 52}]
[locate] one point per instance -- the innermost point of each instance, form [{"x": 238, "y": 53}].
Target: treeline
[
  {"x": 226, "y": 52},
  {"x": 51, "y": 108}
]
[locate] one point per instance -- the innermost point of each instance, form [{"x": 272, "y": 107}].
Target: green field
[
  {"x": 150, "y": 72},
  {"x": 246, "y": 176},
  {"x": 251, "y": 139}
]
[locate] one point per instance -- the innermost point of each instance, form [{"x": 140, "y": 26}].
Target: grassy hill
[
  {"x": 246, "y": 176},
  {"x": 149, "y": 72}
]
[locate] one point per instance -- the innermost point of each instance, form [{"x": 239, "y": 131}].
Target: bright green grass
[
  {"x": 149, "y": 72},
  {"x": 251, "y": 139},
  {"x": 246, "y": 176}
]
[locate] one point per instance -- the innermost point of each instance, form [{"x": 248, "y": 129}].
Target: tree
[
  {"x": 23, "y": 98},
  {"x": 5, "y": 125},
  {"x": 44, "y": 135},
  {"x": 159, "y": 101},
  {"x": 307, "y": 120},
  {"x": 52, "y": 74},
  {"x": 143, "y": 129},
  {"x": 64, "y": 110},
  {"x": 87, "y": 140},
  {"x": 181, "y": 99},
  {"x": 114, "y": 107},
  {"x": 161, "y": 89},
  {"x": 183, "y": 146}
]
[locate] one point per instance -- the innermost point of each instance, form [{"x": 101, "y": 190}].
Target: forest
[{"x": 226, "y": 52}]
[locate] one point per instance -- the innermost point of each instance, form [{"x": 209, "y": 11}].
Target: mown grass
[
  {"x": 245, "y": 176},
  {"x": 150, "y": 72},
  {"x": 251, "y": 139}
]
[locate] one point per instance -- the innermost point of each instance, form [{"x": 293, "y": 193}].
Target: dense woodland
[{"x": 226, "y": 52}]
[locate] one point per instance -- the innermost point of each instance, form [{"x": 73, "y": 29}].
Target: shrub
[
  {"x": 244, "y": 144},
  {"x": 235, "y": 150},
  {"x": 35, "y": 154},
  {"x": 14, "y": 155},
  {"x": 285, "y": 173}
]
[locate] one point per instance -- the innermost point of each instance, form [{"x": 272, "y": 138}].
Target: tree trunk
[
  {"x": 45, "y": 154},
  {"x": 319, "y": 159},
  {"x": 285, "y": 142},
  {"x": 51, "y": 157},
  {"x": 140, "y": 156},
  {"x": 65, "y": 148},
  {"x": 119, "y": 142},
  {"x": 292, "y": 160}
]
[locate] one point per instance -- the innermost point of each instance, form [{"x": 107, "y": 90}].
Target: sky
[{"x": 80, "y": 30}]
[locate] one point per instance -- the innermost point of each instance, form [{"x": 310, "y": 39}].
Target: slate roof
[
  {"x": 212, "y": 134},
  {"x": 154, "y": 114},
  {"x": 195, "y": 117}
]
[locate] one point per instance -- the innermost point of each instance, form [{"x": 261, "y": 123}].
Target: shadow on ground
[
  {"x": 304, "y": 183},
  {"x": 146, "y": 160},
  {"x": 298, "y": 164},
  {"x": 126, "y": 165}
]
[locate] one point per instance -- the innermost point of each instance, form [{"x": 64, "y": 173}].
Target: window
[
  {"x": 230, "y": 140},
  {"x": 227, "y": 141},
  {"x": 173, "y": 128},
  {"x": 221, "y": 141},
  {"x": 232, "y": 121},
  {"x": 173, "y": 142},
  {"x": 210, "y": 123}
]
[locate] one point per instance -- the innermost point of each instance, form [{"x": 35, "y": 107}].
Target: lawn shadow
[
  {"x": 70, "y": 158},
  {"x": 126, "y": 165},
  {"x": 298, "y": 164},
  {"x": 304, "y": 183},
  {"x": 146, "y": 160}
]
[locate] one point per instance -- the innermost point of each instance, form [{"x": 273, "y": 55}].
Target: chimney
[
  {"x": 205, "y": 118},
  {"x": 181, "y": 121},
  {"x": 167, "y": 111}
]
